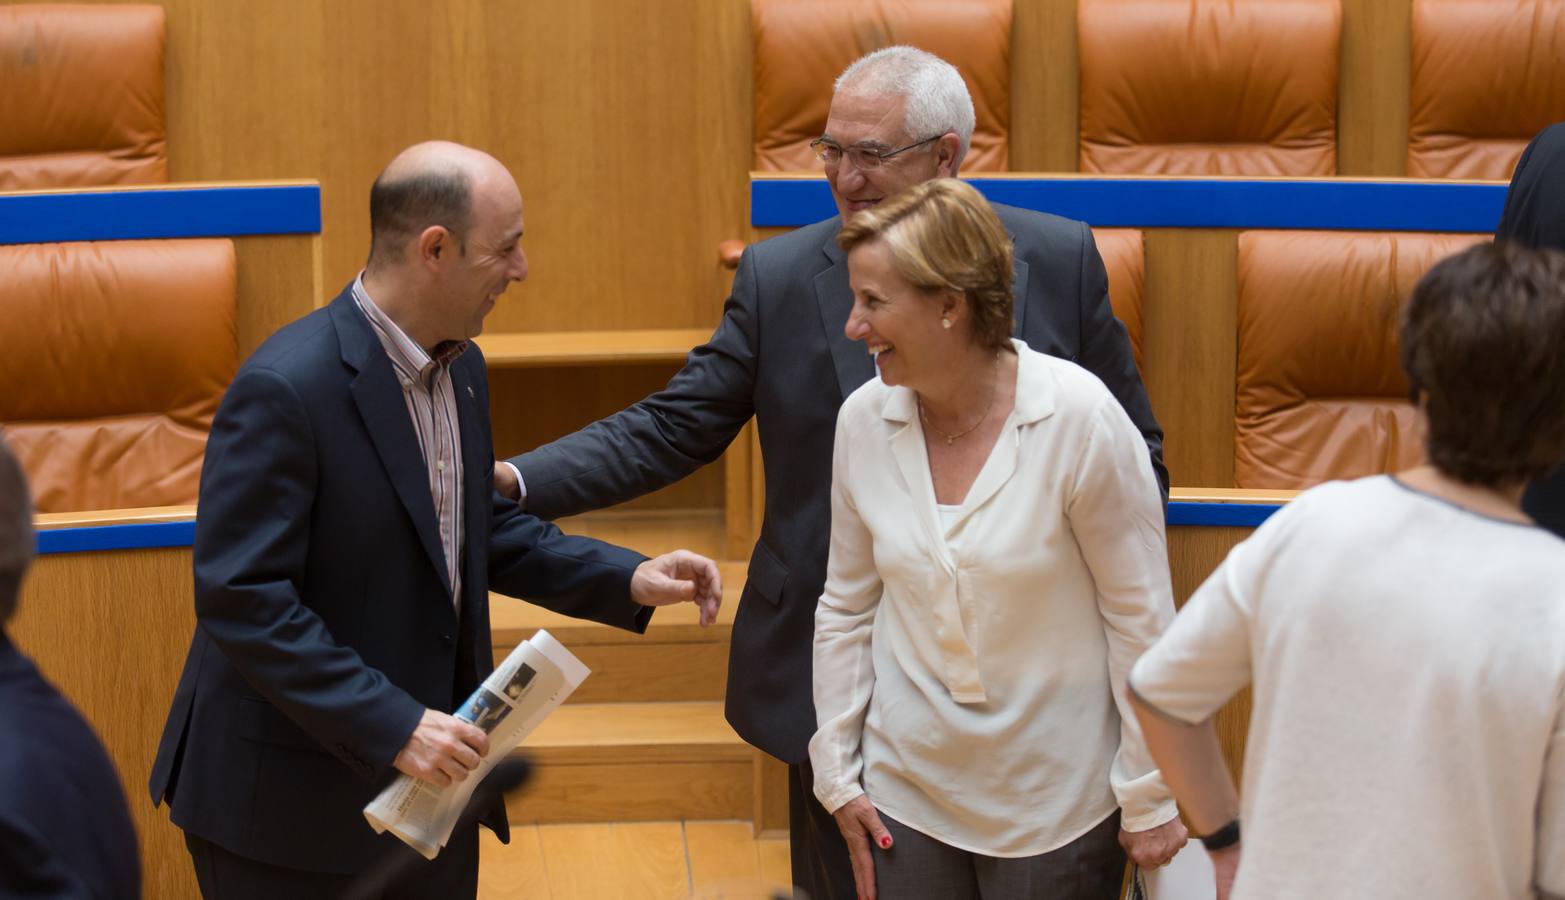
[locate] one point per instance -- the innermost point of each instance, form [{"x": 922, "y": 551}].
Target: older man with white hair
[{"x": 899, "y": 116}]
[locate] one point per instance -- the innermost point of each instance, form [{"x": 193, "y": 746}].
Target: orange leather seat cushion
[
  {"x": 81, "y": 96},
  {"x": 1209, "y": 87},
  {"x": 1125, "y": 259},
  {"x": 115, "y": 355},
  {"x": 1320, "y": 388},
  {"x": 1487, "y": 76},
  {"x": 801, "y": 46}
]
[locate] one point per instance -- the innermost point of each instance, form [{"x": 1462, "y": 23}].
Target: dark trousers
[
  {"x": 821, "y": 869},
  {"x": 222, "y": 875},
  {"x": 918, "y": 866}
]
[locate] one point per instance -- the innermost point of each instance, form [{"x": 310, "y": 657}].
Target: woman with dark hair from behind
[
  {"x": 1404, "y": 634},
  {"x": 1535, "y": 216}
]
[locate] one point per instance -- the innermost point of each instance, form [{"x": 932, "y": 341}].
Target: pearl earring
[{"x": 945, "y": 321}]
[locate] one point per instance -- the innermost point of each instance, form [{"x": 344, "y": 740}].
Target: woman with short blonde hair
[{"x": 997, "y": 562}]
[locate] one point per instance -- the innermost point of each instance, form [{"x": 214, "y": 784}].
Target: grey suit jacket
[{"x": 780, "y": 355}]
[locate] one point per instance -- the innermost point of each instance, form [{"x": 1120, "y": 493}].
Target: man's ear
[
  {"x": 432, "y": 243},
  {"x": 948, "y": 155}
]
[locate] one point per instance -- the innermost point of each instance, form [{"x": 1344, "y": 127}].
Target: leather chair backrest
[
  {"x": 1320, "y": 388},
  {"x": 113, "y": 358},
  {"x": 81, "y": 96},
  {"x": 801, "y": 46},
  {"x": 1209, "y": 87},
  {"x": 1125, "y": 259},
  {"x": 1487, "y": 76}
]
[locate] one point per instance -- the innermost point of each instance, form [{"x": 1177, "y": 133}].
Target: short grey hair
[
  {"x": 16, "y": 530},
  {"x": 936, "y": 96}
]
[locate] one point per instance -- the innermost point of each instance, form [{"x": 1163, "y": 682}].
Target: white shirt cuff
[{"x": 520, "y": 484}]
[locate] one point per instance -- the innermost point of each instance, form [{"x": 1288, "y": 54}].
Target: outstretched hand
[
  {"x": 679, "y": 577},
  {"x": 861, "y": 826}
]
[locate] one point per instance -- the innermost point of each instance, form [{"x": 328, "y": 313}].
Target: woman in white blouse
[
  {"x": 997, "y": 563},
  {"x": 1405, "y": 636}
]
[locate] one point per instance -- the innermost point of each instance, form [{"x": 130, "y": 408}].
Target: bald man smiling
[{"x": 347, "y": 539}]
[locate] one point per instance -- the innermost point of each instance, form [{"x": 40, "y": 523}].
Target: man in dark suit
[
  {"x": 898, "y": 117},
  {"x": 65, "y": 831},
  {"x": 1535, "y": 216},
  {"x": 347, "y": 539}
]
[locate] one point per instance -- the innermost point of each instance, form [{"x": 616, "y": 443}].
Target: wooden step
[
  {"x": 607, "y": 762},
  {"x": 675, "y": 660}
]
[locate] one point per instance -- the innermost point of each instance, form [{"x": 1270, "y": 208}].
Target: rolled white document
[{"x": 530, "y": 684}]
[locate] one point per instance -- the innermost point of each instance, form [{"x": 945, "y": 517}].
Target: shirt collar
[{"x": 410, "y": 361}]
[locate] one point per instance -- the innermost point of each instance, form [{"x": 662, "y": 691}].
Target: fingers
[
  {"x": 472, "y": 737},
  {"x": 876, "y": 829},
  {"x": 442, "y": 749}
]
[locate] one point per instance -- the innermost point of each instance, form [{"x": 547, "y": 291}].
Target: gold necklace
[{"x": 988, "y": 407}]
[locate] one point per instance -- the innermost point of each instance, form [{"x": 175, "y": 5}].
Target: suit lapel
[
  {"x": 835, "y": 298},
  {"x": 1019, "y": 293},
  {"x": 379, "y": 399}
]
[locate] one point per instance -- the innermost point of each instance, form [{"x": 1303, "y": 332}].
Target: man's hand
[
  {"x": 861, "y": 826},
  {"x": 1155, "y": 846},
  {"x": 1225, "y": 865},
  {"x": 505, "y": 481},
  {"x": 442, "y": 749},
  {"x": 677, "y": 577}
]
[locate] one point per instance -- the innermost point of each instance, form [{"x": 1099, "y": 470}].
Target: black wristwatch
[{"x": 1222, "y": 838}]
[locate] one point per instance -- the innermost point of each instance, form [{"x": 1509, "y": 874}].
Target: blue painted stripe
[
  {"x": 1193, "y": 203},
  {"x": 182, "y": 534},
  {"x": 1242, "y": 515},
  {"x": 163, "y": 213},
  {"x": 117, "y": 537}
]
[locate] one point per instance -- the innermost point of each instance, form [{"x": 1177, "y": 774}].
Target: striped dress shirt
[{"x": 431, "y": 401}]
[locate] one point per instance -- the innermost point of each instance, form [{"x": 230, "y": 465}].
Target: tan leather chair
[
  {"x": 1320, "y": 392},
  {"x": 113, "y": 358},
  {"x": 1209, "y": 87},
  {"x": 1125, "y": 260},
  {"x": 81, "y": 96},
  {"x": 1487, "y": 76},
  {"x": 801, "y": 46}
]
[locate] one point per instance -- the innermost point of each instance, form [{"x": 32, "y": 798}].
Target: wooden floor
[{"x": 634, "y": 861}]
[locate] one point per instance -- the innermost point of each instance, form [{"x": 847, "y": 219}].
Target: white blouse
[{"x": 970, "y": 677}]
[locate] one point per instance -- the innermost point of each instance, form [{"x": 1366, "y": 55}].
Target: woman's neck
[
  {"x": 1500, "y": 501},
  {"x": 962, "y": 390}
]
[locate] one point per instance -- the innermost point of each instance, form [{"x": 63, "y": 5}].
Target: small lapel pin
[{"x": 470, "y": 392}]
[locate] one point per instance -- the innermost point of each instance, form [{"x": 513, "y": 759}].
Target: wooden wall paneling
[
  {"x": 1193, "y": 553},
  {"x": 1190, "y": 320},
  {"x": 530, "y": 407},
  {"x": 1045, "y": 88},
  {"x": 279, "y": 281},
  {"x": 738, "y": 503},
  {"x": 1372, "y": 110},
  {"x": 245, "y": 94},
  {"x": 111, "y": 629},
  {"x": 627, "y": 128},
  {"x": 770, "y": 796}
]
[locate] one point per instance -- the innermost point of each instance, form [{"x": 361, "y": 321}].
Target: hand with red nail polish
[{"x": 860, "y": 825}]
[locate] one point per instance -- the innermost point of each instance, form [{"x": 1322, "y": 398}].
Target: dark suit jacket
[
  {"x": 1535, "y": 216},
  {"x": 65, "y": 831},
  {"x": 780, "y": 355},
  {"x": 325, "y": 625}
]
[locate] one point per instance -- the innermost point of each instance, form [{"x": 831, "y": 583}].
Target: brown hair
[
  {"x": 16, "y": 530},
  {"x": 1482, "y": 341},
  {"x": 944, "y": 236}
]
